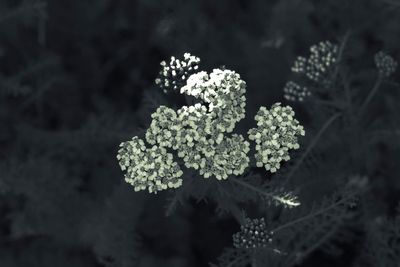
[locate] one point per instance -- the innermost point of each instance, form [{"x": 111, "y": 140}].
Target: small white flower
[{"x": 277, "y": 132}]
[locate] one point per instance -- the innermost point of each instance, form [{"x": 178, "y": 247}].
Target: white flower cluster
[
  {"x": 197, "y": 132},
  {"x": 294, "y": 92},
  {"x": 277, "y": 132},
  {"x": 322, "y": 56},
  {"x": 174, "y": 74},
  {"x": 224, "y": 91},
  {"x": 385, "y": 64},
  {"x": 217, "y": 159},
  {"x": 164, "y": 128},
  {"x": 152, "y": 169}
]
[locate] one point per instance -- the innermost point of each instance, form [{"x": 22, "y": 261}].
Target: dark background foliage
[{"x": 77, "y": 79}]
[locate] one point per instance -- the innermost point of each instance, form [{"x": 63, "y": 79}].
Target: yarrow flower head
[
  {"x": 385, "y": 64},
  {"x": 197, "y": 132},
  {"x": 152, "y": 169},
  {"x": 163, "y": 128},
  {"x": 253, "y": 234},
  {"x": 207, "y": 148},
  {"x": 224, "y": 91},
  {"x": 276, "y": 133},
  {"x": 294, "y": 92},
  {"x": 223, "y": 159},
  {"x": 322, "y": 56},
  {"x": 173, "y": 75}
]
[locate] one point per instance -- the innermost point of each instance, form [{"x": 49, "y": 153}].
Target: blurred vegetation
[{"x": 77, "y": 79}]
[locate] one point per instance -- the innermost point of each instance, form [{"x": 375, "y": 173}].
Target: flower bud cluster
[
  {"x": 385, "y": 64},
  {"x": 276, "y": 134},
  {"x": 294, "y": 92},
  {"x": 152, "y": 169},
  {"x": 322, "y": 56},
  {"x": 173, "y": 75},
  {"x": 253, "y": 234}
]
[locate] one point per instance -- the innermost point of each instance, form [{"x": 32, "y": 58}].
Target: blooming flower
[
  {"x": 276, "y": 133},
  {"x": 200, "y": 134},
  {"x": 152, "y": 169},
  {"x": 173, "y": 74}
]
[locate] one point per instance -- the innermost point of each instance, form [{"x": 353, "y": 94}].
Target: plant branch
[
  {"x": 348, "y": 96},
  {"x": 263, "y": 193},
  {"x": 311, "y": 215},
  {"x": 317, "y": 244},
  {"x": 340, "y": 53},
  {"x": 371, "y": 94},
  {"x": 311, "y": 145}
]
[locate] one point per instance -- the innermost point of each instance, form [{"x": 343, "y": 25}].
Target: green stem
[
  {"x": 371, "y": 94},
  {"x": 261, "y": 192},
  {"x": 311, "y": 215},
  {"x": 251, "y": 187},
  {"x": 317, "y": 244},
  {"x": 340, "y": 53},
  {"x": 349, "y": 101},
  {"x": 311, "y": 145}
]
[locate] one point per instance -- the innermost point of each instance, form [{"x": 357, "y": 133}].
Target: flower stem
[
  {"x": 311, "y": 215},
  {"x": 311, "y": 145},
  {"x": 266, "y": 194},
  {"x": 371, "y": 94}
]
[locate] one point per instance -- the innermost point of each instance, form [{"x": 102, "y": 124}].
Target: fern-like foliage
[
  {"x": 303, "y": 234},
  {"x": 269, "y": 192},
  {"x": 233, "y": 258},
  {"x": 382, "y": 245},
  {"x": 113, "y": 237},
  {"x": 42, "y": 200},
  {"x": 299, "y": 232}
]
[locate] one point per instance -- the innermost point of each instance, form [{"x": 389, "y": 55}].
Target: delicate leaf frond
[
  {"x": 308, "y": 230},
  {"x": 267, "y": 192},
  {"x": 382, "y": 245}
]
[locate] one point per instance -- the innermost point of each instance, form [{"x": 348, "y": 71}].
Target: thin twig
[
  {"x": 311, "y": 215},
  {"x": 347, "y": 94},
  {"x": 371, "y": 94},
  {"x": 340, "y": 53},
  {"x": 266, "y": 194},
  {"x": 311, "y": 145},
  {"x": 252, "y": 187},
  {"x": 317, "y": 244}
]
